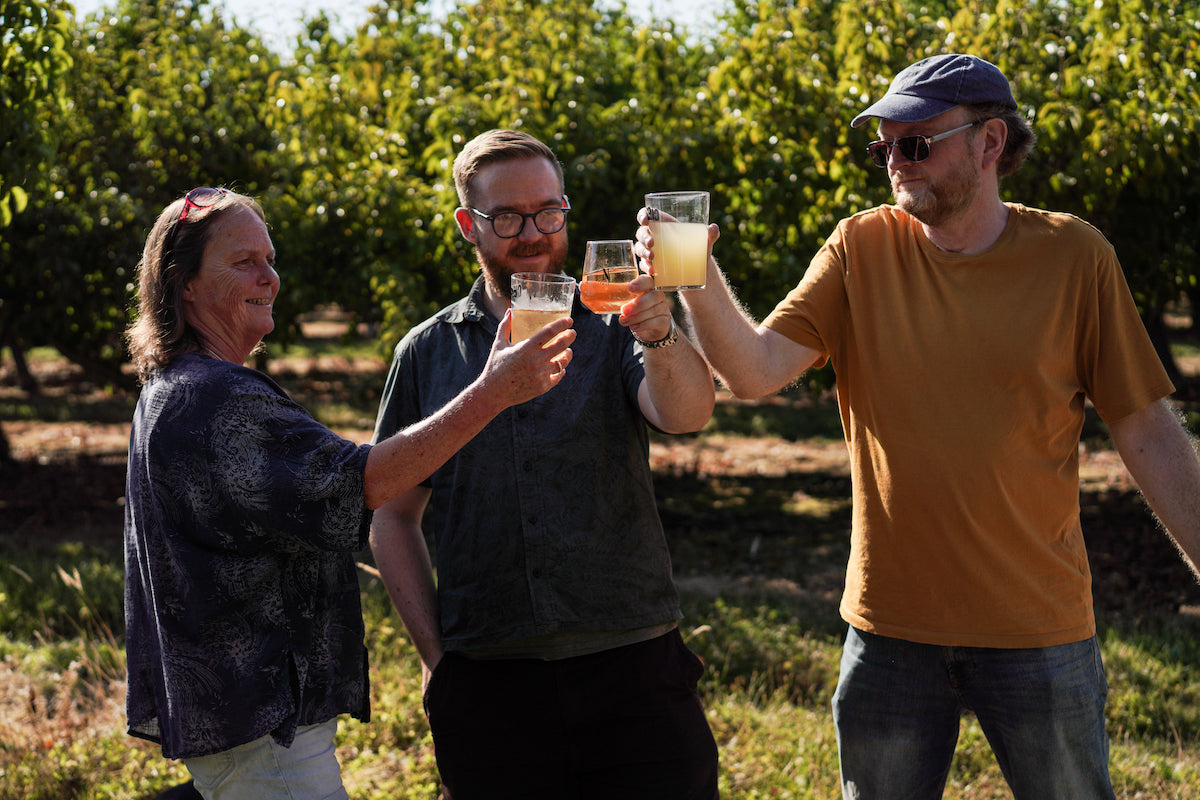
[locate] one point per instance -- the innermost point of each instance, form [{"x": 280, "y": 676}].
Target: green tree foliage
[
  {"x": 570, "y": 74},
  {"x": 783, "y": 168},
  {"x": 361, "y": 213},
  {"x": 164, "y": 96},
  {"x": 1110, "y": 88},
  {"x": 33, "y": 58},
  {"x": 349, "y": 140}
]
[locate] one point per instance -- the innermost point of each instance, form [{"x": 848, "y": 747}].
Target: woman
[{"x": 243, "y": 624}]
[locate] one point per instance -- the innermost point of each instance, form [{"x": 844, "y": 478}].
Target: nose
[
  {"x": 895, "y": 156},
  {"x": 268, "y": 275},
  {"x": 529, "y": 231}
]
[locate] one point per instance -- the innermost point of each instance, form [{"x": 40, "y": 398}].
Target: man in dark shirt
[{"x": 551, "y": 636}]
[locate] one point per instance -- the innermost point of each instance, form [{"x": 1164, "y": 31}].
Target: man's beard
[
  {"x": 498, "y": 270},
  {"x": 941, "y": 202}
]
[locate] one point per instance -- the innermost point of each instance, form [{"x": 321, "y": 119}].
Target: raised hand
[{"x": 520, "y": 372}]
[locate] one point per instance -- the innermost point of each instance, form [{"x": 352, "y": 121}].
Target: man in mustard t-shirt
[{"x": 966, "y": 334}]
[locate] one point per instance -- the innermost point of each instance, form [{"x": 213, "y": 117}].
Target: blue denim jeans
[
  {"x": 898, "y": 705},
  {"x": 264, "y": 770}
]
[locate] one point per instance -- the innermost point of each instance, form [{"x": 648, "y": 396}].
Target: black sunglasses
[{"x": 914, "y": 148}]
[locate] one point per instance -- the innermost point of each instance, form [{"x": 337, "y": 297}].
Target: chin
[{"x": 914, "y": 207}]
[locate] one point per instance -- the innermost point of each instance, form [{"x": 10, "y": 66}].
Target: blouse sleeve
[{"x": 259, "y": 473}]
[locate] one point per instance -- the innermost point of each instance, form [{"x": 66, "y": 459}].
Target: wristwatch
[{"x": 671, "y": 338}]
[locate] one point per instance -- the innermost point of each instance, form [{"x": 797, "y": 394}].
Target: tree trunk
[{"x": 28, "y": 383}]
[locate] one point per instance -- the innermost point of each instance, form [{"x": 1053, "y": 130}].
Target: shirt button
[
  {"x": 537, "y": 572},
  {"x": 532, "y": 520},
  {"x": 527, "y": 466},
  {"x": 522, "y": 414}
]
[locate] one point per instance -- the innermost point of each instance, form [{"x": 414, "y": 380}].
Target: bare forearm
[
  {"x": 403, "y": 561},
  {"x": 1162, "y": 460},
  {"x": 736, "y": 348},
  {"x": 409, "y": 457},
  {"x": 513, "y": 374},
  {"x": 679, "y": 388}
]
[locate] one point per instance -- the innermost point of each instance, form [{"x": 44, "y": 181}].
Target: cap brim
[{"x": 903, "y": 108}]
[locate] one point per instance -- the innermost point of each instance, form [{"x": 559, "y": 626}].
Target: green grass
[
  {"x": 759, "y": 559},
  {"x": 771, "y": 666}
]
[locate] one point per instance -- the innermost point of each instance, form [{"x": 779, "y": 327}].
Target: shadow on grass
[
  {"x": 780, "y": 537},
  {"x": 790, "y": 527},
  {"x": 81, "y": 497}
]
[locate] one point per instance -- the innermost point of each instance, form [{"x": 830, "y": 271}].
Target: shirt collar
[{"x": 471, "y": 308}]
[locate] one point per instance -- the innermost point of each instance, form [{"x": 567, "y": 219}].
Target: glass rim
[
  {"x": 685, "y": 193},
  {"x": 543, "y": 277}
]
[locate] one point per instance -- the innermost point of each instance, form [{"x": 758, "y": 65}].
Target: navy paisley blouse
[{"x": 242, "y": 603}]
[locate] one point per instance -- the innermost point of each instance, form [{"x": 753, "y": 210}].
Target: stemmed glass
[{"x": 608, "y": 267}]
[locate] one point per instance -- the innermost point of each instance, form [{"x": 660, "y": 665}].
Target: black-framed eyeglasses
[
  {"x": 509, "y": 224},
  {"x": 914, "y": 148}
]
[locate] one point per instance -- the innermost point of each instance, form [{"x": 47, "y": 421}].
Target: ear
[
  {"x": 466, "y": 224},
  {"x": 995, "y": 136}
]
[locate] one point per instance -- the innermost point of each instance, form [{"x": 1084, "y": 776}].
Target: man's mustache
[{"x": 527, "y": 250}]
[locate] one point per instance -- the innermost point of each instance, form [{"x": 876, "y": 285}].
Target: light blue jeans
[
  {"x": 264, "y": 770},
  {"x": 898, "y": 704}
]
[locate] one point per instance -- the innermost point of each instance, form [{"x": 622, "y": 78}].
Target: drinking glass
[
  {"x": 679, "y": 223},
  {"x": 608, "y": 267},
  {"x": 538, "y": 299}
]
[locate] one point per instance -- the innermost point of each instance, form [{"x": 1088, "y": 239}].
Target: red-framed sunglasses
[{"x": 200, "y": 197}]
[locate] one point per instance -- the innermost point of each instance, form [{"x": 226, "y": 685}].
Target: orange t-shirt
[{"x": 961, "y": 381}]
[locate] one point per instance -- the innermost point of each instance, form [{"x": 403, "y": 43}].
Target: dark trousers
[{"x": 625, "y": 723}]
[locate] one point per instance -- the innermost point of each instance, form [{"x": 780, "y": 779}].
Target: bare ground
[{"x": 743, "y": 512}]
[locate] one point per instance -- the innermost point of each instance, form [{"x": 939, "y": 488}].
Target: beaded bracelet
[{"x": 671, "y": 338}]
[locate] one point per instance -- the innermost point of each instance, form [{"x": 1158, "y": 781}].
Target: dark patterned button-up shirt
[
  {"x": 545, "y": 524},
  {"x": 241, "y": 592}
]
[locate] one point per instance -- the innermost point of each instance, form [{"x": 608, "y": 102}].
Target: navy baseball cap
[{"x": 937, "y": 84}]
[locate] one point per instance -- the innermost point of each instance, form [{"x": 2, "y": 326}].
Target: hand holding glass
[
  {"x": 679, "y": 224},
  {"x": 608, "y": 267},
  {"x": 538, "y": 299}
]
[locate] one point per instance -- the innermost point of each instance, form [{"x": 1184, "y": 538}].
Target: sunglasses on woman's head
[
  {"x": 200, "y": 197},
  {"x": 914, "y": 148}
]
